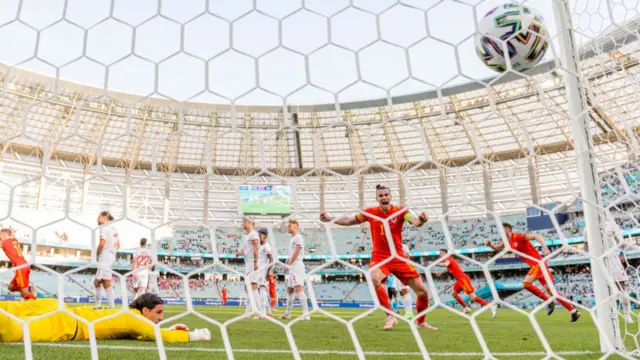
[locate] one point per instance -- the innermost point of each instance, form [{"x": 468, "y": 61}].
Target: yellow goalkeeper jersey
[{"x": 63, "y": 327}]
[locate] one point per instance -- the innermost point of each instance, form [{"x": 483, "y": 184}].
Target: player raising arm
[
  {"x": 11, "y": 248},
  {"x": 463, "y": 282},
  {"x": 62, "y": 327},
  {"x": 405, "y": 272},
  {"x": 522, "y": 243}
]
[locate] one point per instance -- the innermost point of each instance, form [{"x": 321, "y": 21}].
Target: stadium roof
[{"x": 516, "y": 116}]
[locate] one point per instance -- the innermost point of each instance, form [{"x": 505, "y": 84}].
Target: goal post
[{"x": 605, "y": 309}]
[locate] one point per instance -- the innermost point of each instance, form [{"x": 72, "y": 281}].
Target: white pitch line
[{"x": 311, "y": 352}]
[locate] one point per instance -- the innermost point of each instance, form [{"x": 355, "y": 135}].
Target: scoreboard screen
[{"x": 265, "y": 199}]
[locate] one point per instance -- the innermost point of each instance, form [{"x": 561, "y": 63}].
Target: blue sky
[{"x": 166, "y": 57}]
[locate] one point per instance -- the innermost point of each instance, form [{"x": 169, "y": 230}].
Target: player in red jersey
[
  {"x": 405, "y": 272},
  {"x": 20, "y": 281},
  {"x": 463, "y": 282},
  {"x": 522, "y": 244},
  {"x": 273, "y": 295},
  {"x": 224, "y": 295}
]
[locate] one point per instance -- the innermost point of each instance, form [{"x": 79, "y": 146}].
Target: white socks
[
  {"x": 303, "y": 301},
  {"x": 264, "y": 299},
  {"x": 110, "y": 297},
  {"x": 99, "y": 295},
  {"x": 626, "y": 305},
  {"x": 289, "y": 303},
  {"x": 407, "y": 302},
  {"x": 256, "y": 299}
]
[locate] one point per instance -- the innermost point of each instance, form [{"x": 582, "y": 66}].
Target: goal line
[{"x": 309, "y": 352}]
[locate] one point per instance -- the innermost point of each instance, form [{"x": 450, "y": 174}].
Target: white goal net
[{"x": 223, "y": 131}]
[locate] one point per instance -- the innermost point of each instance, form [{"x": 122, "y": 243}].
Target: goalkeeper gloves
[{"x": 200, "y": 335}]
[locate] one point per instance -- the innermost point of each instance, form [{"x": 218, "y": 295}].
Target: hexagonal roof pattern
[{"x": 497, "y": 119}]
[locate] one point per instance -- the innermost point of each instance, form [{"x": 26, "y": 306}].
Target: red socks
[
  {"x": 383, "y": 297},
  {"x": 535, "y": 291},
  {"x": 273, "y": 303},
  {"x": 460, "y": 301},
  {"x": 421, "y": 305},
  {"x": 28, "y": 296},
  {"x": 480, "y": 301}
]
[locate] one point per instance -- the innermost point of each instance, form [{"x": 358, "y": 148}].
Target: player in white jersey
[
  {"x": 106, "y": 254},
  {"x": 265, "y": 258},
  {"x": 295, "y": 277},
  {"x": 620, "y": 277},
  {"x": 617, "y": 269},
  {"x": 140, "y": 262},
  {"x": 405, "y": 291},
  {"x": 250, "y": 252},
  {"x": 153, "y": 281}
]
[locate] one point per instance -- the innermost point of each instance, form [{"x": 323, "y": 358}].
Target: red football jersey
[
  {"x": 454, "y": 268},
  {"x": 378, "y": 237},
  {"x": 519, "y": 243},
  {"x": 12, "y": 248},
  {"x": 272, "y": 281}
]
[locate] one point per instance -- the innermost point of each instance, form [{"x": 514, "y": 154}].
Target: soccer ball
[{"x": 516, "y": 29}]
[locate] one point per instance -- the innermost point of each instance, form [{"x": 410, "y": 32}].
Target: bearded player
[
  {"x": 405, "y": 272},
  {"x": 463, "y": 282},
  {"x": 63, "y": 327},
  {"x": 140, "y": 262},
  {"x": 522, "y": 244},
  {"x": 265, "y": 258},
  {"x": 20, "y": 281}
]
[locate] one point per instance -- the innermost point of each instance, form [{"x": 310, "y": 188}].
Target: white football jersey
[
  {"x": 297, "y": 242},
  {"x": 109, "y": 233},
  {"x": 248, "y": 248},
  {"x": 142, "y": 257},
  {"x": 618, "y": 271},
  {"x": 263, "y": 255}
]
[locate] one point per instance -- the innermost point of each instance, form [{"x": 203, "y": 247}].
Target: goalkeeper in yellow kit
[{"x": 62, "y": 327}]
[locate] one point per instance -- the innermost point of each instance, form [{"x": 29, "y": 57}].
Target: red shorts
[
  {"x": 537, "y": 273},
  {"x": 465, "y": 285},
  {"x": 224, "y": 298},
  {"x": 20, "y": 280},
  {"x": 272, "y": 293},
  {"x": 400, "y": 269}
]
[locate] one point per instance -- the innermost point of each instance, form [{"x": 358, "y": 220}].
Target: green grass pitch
[
  {"x": 277, "y": 204},
  {"x": 325, "y": 338}
]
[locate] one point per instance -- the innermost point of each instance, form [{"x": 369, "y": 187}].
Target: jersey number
[{"x": 17, "y": 247}]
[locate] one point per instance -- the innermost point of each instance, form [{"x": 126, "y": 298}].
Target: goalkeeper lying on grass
[{"x": 62, "y": 327}]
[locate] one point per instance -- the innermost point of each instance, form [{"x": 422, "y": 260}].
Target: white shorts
[
  {"x": 104, "y": 272},
  {"x": 154, "y": 290},
  {"x": 141, "y": 279},
  {"x": 294, "y": 279},
  {"x": 262, "y": 276},
  {"x": 251, "y": 275}
]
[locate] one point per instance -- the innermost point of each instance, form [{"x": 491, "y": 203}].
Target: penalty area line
[{"x": 308, "y": 352}]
